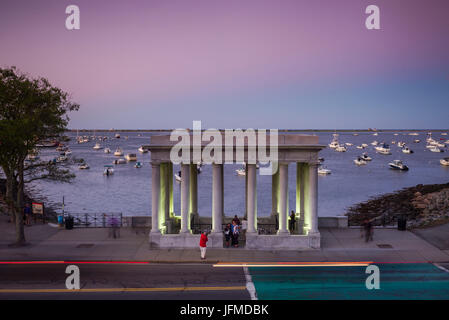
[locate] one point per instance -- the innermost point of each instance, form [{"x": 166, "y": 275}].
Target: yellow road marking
[
  {"x": 294, "y": 264},
  {"x": 123, "y": 289}
]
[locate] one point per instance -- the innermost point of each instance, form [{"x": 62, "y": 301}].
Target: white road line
[
  {"x": 440, "y": 267},
  {"x": 249, "y": 284}
]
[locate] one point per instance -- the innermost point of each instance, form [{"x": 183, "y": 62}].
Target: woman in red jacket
[{"x": 203, "y": 241}]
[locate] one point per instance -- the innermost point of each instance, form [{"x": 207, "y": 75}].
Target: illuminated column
[
  {"x": 193, "y": 189},
  {"x": 245, "y": 217},
  {"x": 164, "y": 200},
  {"x": 155, "y": 191},
  {"x": 313, "y": 197},
  {"x": 300, "y": 188},
  {"x": 217, "y": 197},
  {"x": 274, "y": 193},
  {"x": 185, "y": 171},
  {"x": 283, "y": 198},
  {"x": 251, "y": 192},
  {"x": 170, "y": 188}
]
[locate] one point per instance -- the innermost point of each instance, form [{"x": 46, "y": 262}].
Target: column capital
[
  {"x": 155, "y": 163},
  {"x": 313, "y": 164}
]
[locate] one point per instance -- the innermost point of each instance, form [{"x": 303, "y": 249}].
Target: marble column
[
  {"x": 217, "y": 197},
  {"x": 185, "y": 184},
  {"x": 300, "y": 188},
  {"x": 155, "y": 192},
  {"x": 170, "y": 188},
  {"x": 283, "y": 198},
  {"x": 164, "y": 199},
  {"x": 245, "y": 216},
  {"x": 275, "y": 193},
  {"x": 313, "y": 198},
  {"x": 306, "y": 187},
  {"x": 193, "y": 189},
  {"x": 251, "y": 192}
]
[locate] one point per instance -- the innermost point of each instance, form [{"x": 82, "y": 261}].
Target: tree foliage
[{"x": 31, "y": 110}]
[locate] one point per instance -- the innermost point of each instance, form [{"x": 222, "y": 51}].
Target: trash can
[
  {"x": 402, "y": 223},
  {"x": 61, "y": 220},
  {"x": 69, "y": 223}
]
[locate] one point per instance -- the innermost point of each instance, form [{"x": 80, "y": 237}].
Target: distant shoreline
[{"x": 280, "y": 130}]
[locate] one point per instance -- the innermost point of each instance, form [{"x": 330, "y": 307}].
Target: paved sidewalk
[{"x": 50, "y": 243}]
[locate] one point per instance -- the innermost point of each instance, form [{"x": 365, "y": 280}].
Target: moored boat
[
  {"x": 118, "y": 152},
  {"x": 323, "y": 170},
  {"x": 131, "y": 157},
  {"x": 398, "y": 165}
]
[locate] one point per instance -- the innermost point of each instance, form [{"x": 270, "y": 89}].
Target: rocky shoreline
[{"x": 422, "y": 206}]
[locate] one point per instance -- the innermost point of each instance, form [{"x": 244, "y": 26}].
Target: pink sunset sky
[{"x": 274, "y": 64}]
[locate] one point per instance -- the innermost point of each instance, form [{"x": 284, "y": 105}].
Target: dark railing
[
  {"x": 95, "y": 220},
  {"x": 266, "y": 228}
]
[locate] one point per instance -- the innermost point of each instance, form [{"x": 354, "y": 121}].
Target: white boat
[
  {"x": 349, "y": 144},
  {"x": 83, "y": 166},
  {"x": 334, "y": 144},
  {"x": 401, "y": 144},
  {"x": 445, "y": 161},
  {"x": 108, "y": 170},
  {"x": 142, "y": 149},
  {"x": 383, "y": 149},
  {"x": 323, "y": 170},
  {"x": 360, "y": 147},
  {"x": 241, "y": 172},
  {"x": 439, "y": 145},
  {"x": 444, "y": 134},
  {"x": 364, "y": 145},
  {"x": 413, "y": 134},
  {"x": 131, "y": 157},
  {"x": 138, "y": 165},
  {"x": 398, "y": 165},
  {"x": 97, "y": 146},
  {"x": 375, "y": 134},
  {"x": 416, "y": 141},
  {"x": 61, "y": 159},
  {"x": 340, "y": 148},
  {"x": 107, "y": 150},
  {"x": 118, "y": 152},
  {"x": 359, "y": 161},
  {"x": 374, "y": 143},
  {"x": 366, "y": 157},
  {"x": 407, "y": 150},
  {"x": 119, "y": 161},
  {"x": 435, "y": 149},
  {"x": 117, "y": 135}
]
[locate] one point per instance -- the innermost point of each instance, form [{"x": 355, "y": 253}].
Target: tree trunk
[
  {"x": 20, "y": 232},
  {"x": 10, "y": 193}
]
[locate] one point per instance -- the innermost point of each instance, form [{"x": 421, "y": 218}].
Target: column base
[
  {"x": 283, "y": 232},
  {"x": 155, "y": 239}
]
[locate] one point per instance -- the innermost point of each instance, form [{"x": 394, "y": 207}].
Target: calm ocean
[{"x": 129, "y": 190}]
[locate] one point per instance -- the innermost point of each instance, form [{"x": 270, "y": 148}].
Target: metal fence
[{"x": 95, "y": 220}]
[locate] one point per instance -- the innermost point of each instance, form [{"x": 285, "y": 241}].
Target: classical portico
[{"x": 294, "y": 152}]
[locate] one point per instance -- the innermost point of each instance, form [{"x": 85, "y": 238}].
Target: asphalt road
[
  {"x": 206, "y": 282},
  {"x": 110, "y": 281}
]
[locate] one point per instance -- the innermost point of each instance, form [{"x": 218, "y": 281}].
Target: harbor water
[{"x": 128, "y": 190}]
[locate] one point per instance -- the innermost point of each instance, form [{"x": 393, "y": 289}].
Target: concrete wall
[{"x": 333, "y": 222}]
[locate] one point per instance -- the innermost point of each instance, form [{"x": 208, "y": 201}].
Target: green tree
[{"x": 31, "y": 110}]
